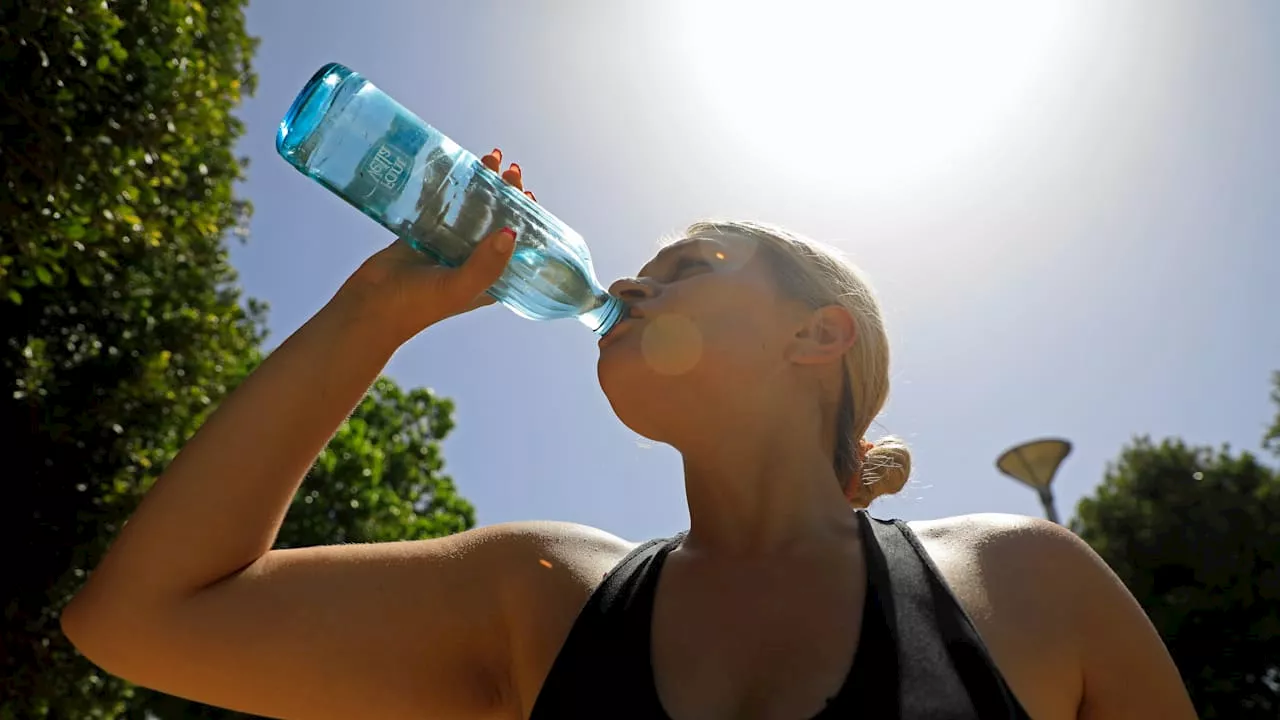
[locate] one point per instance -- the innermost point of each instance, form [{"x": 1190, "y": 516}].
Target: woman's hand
[{"x": 409, "y": 291}]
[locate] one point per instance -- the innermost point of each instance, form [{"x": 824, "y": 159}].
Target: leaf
[{"x": 43, "y": 275}]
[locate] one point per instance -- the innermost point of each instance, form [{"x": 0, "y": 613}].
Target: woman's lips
[{"x": 620, "y": 329}]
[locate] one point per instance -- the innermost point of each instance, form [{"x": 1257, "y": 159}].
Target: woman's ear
[{"x": 824, "y": 336}]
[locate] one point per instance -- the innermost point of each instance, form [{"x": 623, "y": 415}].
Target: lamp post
[{"x": 1034, "y": 464}]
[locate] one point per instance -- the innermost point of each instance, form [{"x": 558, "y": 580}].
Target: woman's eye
[{"x": 687, "y": 264}]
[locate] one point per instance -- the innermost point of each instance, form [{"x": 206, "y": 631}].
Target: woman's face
[{"x": 708, "y": 334}]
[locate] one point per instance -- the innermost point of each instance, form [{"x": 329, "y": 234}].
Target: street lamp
[{"x": 1034, "y": 464}]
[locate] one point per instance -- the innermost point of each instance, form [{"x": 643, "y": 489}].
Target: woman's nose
[{"x": 632, "y": 289}]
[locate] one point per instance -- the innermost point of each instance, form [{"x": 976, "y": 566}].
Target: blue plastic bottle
[{"x": 355, "y": 140}]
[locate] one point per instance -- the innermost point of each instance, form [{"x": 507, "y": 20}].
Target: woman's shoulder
[
  {"x": 1019, "y": 580},
  {"x": 558, "y": 534},
  {"x": 1011, "y": 557},
  {"x": 997, "y": 548},
  {"x": 983, "y": 529},
  {"x": 994, "y": 558},
  {"x": 1029, "y": 569},
  {"x": 550, "y": 571},
  {"x": 542, "y": 554},
  {"x": 1008, "y": 548},
  {"x": 545, "y": 571},
  {"x": 1059, "y": 623}
]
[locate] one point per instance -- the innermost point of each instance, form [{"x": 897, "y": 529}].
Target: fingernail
[
  {"x": 515, "y": 167},
  {"x": 506, "y": 236},
  {"x": 498, "y": 152}
]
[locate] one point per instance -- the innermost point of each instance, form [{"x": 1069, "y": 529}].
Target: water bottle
[{"x": 355, "y": 140}]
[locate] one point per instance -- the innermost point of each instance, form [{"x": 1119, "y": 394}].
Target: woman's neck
[{"x": 771, "y": 490}]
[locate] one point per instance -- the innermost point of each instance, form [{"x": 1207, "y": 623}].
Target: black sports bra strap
[
  {"x": 603, "y": 669},
  {"x": 933, "y": 631}
]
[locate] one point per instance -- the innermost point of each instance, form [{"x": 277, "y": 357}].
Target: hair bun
[{"x": 885, "y": 470}]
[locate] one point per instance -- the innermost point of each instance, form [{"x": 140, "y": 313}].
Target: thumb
[{"x": 485, "y": 265}]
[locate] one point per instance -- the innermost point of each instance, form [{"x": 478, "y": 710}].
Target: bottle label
[{"x": 388, "y": 169}]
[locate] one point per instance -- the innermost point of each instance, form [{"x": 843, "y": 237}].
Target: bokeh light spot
[{"x": 671, "y": 344}]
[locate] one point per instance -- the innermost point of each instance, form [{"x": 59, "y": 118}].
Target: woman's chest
[{"x": 749, "y": 643}]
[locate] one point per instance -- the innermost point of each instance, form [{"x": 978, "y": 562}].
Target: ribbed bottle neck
[{"x": 607, "y": 312}]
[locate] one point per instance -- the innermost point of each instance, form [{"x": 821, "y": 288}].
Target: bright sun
[{"x": 902, "y": 89}]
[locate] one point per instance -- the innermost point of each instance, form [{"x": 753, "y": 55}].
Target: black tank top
[{"x": 918, "y": 658}]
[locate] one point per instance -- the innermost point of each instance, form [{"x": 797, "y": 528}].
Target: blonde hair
[{"x": 819, "y": 276}]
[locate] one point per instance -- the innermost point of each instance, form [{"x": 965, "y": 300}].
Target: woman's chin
[
  {"x": 618, "y": 369},
  {"x": 639, "y": 395}
]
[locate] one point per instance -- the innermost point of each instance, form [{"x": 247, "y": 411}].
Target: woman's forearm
[{"x": 219, "y": 505}]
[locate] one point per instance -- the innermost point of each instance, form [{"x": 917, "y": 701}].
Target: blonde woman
[{"x": 784, "y": 599}]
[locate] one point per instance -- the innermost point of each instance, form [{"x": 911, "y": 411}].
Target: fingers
[
  {"x": 513, "y": 174},
  {"x": 483, "y": 268}
]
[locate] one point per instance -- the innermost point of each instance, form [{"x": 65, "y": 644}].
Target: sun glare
[{"x": 898, "y": 90}]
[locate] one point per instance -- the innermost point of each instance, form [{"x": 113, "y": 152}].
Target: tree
[
  {"x": 1272, "y": 439},
  {"x": 1193, "y": 533},
  {"x": 380, "y": 477},
  {"x": 122, "y": 322},
  {"x": 124, "y": 326}
]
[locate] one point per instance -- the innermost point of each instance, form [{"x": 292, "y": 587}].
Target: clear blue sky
[{"x": 1071, "y": 215}]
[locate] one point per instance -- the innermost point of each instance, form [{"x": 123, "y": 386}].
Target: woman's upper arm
[
  {"x": 376, "y": 630},
  {"x": 1127, "y": 670}
]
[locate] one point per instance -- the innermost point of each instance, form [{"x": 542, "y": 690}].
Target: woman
[{"x": 763, "y": 360}]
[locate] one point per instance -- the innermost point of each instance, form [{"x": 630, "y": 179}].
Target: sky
[{"x": 1069, "y": 211}]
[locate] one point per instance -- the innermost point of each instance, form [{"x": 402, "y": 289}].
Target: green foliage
[
  {"x": 1272, "y": 439},
  {"x": 379, "y": 479},
  {"x": 1195, "y": 535},
  {"x": 118, "y": 137},
  {"x": 123, "y": 325},
  {"x": 121, "y": 321}
]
